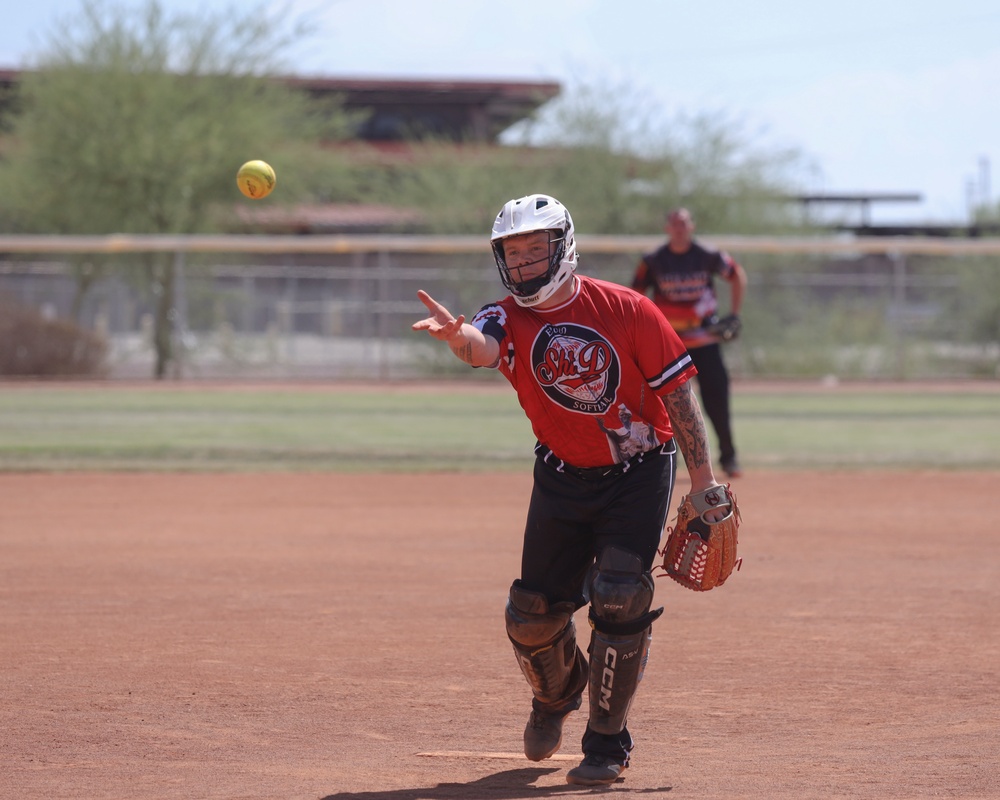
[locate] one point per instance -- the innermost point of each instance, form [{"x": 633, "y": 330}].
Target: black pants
[
  {"x": 570, "y": 520},
  {"x": 713, "y": 386}
]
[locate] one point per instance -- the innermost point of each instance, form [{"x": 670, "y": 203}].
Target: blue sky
[{"x": 883, "y": 95}]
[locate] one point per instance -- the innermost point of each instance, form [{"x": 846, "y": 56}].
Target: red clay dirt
[{"x": 341, "y": 636}]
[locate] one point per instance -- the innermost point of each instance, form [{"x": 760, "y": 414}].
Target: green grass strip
[{"x": 456, "y": 428}]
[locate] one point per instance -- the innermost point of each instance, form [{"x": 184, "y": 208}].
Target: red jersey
[{"x": 589, "y": 373}]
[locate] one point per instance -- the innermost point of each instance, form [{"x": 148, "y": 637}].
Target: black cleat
[
  {"x": 596, "y": 771},
  {"x": 543, "y": 735}
]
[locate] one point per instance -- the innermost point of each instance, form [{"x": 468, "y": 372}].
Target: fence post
[
  {"x": 384, "y": 283},
  {"x": 286, "y": 313},
  {"x": 179, "y": 328},
  {"x": 898, "y": 261}
]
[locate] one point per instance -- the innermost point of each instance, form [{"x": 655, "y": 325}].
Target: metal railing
[{"x": 337, "y": 307}]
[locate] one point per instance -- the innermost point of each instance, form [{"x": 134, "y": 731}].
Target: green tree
[
  {"x": 134, "y": 121},
  {"x": 617, "y": 163},
  {"x": 624, "y": 162}
]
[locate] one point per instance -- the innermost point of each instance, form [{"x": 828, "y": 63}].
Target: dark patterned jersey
[
  {"x": 682, "y": 285},
  {"x": 589, "y": 373}
]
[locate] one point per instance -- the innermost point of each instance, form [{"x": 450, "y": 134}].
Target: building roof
[
  {"x": 456, "y": 110},
  {"x": 399, "y": 109}
]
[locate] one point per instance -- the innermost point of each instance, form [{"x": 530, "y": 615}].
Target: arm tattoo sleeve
[{"x": 688, "y": 424}]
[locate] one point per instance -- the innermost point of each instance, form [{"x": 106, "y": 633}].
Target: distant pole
[
  {"x": 984, "y": 182},
  {"x": 970, "y": 200}
]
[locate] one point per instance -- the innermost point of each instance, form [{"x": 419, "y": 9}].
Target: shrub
[{"x": 31, "y": 345}]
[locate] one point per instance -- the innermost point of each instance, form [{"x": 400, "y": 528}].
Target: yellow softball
[{"x": 256, "y": 179}]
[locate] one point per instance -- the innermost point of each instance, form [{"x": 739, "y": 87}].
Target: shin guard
[
  {"x": 621, "y": 593},
  {"x": 544, "y": 639}
]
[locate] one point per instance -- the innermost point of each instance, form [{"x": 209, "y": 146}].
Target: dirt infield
[{"x": 334, "y": 636}]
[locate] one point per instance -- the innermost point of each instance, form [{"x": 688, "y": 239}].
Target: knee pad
[
  {"x": 621, "y": 593},
  {"x": 544, "y": 639}
]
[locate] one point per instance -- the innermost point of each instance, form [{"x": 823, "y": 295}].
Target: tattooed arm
[
  {"x": 469, "y": 344},
  {"x": 691, "y": 436}
]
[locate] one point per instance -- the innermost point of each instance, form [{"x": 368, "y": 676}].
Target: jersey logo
[{"x": 576, "y": 367}]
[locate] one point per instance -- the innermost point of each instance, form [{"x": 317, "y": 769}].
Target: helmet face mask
[
  {"x": 512, "y": 274},
  {"x": 530, "y": 214}
]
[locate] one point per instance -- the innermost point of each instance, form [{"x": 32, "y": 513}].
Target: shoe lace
[{"x": 536, "y": 721}]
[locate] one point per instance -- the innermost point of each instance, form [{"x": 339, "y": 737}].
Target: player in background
[
  {"x": 680, "y": 276},
  {"x": 604, "y": 381}
]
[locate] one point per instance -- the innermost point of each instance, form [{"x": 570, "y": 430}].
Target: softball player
[
  {"x": 680, "y": 276},
  {"x": 604, "y": 381}
]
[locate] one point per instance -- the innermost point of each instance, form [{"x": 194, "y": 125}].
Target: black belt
[{"x": 596, "y": 473}]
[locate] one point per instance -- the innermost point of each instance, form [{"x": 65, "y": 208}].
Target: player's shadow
[{"x": 511, "y": 784}]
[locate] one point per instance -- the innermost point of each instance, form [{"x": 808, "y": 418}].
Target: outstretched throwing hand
[{"x": 442, "y": 324}]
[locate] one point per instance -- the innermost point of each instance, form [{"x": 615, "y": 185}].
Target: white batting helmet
[{"x": 536, "y": 212}]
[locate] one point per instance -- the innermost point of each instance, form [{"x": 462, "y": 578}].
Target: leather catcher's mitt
[
  {"x": 700, "y": 555},
  {"x": 726, "y": 328}
]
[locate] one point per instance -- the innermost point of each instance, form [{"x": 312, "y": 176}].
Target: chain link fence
[{"x": 340, "y": 308}]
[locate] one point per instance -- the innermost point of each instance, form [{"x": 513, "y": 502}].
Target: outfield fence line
[
  {"x": 413, "y": 243},
  {"x": 341, "y": 306}
]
